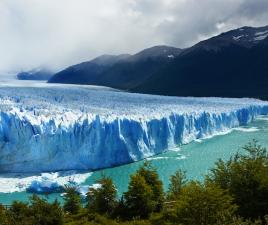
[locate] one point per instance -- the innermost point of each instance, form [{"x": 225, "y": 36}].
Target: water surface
[{"x": 196, "y": 158}]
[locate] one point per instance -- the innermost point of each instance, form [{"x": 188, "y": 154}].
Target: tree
[
  {"x": 103, "y": 199},
  {"x": 203, "y": 204},
  {"x": 3, "y": 216},
  {"x": 176, "y": 184},
  {"x": 245, "y": 176},
  {"x": 139, "y": 197},
  {"x": 151, "y": 177},
  {"x": 19, "y": 214},
  {"x": 44, "y": 213},
  {"x": 72, "y": 200}
]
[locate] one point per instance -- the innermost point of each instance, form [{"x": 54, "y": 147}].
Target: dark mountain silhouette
[
  {"x": 233, "y": 64},
  {"x": 122, "y": 71},
  {"x": 36, "y": 74}
]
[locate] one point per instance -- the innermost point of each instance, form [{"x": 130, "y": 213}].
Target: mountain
[
  {"x": 122, "y": 71},
  {"x": 87, "y": 72},
  {"x": 232, "y": 64},
  {"x": 136, "y": 69},
  {"x": 36, "y": 74}
]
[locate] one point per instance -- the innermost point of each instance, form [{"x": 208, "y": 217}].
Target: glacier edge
[{"x": 92, "y": 142}]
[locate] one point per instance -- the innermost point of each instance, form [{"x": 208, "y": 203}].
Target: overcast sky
[{"x": 58, "y": 33}]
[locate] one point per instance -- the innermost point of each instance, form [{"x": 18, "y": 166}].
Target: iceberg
[
  {"x": 41, "y": 182},
  {"x": 47, "y": 184},
  {"x": 51, "y": 127},
  {"x": 84, "y": 189}
]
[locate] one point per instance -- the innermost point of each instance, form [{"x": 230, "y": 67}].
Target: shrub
[
  {"x": 139, "y": 198},
  {"x": 72, "y": 200},
  {"x": 176, "y": 183},
  {"x": 149, "y": 173},
  {"x": 203, "y": 204},
  {"x": 103, "y": 200},
  {"x": 246, "y": 179},
  {"x": 44, "y": 213}
]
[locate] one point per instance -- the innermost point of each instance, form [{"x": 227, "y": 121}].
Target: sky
[{"x": 59, "y": 33}]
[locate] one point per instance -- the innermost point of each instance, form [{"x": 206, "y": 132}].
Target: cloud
[{"x": 58, "y": 33}]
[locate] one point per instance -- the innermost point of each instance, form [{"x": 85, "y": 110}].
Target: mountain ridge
[
  {"x": 231, "y": 64},
  {"x": 118, "y": 71},
  {"x": 219, "y": 66}
]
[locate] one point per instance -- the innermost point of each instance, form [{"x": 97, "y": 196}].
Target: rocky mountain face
[
  {"x": 233, "y": 64},
  {"x": 121, "y": 71},
  {"x": 35, "y": 74}
]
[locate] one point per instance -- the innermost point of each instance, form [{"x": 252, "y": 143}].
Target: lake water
[{"x": 196, "y": 158}]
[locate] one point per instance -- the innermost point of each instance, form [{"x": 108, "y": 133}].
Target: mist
[{"x": 59, "y": 33}]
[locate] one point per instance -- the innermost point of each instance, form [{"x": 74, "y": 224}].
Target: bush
[
  {"x": 103, "y": 200},
  {"x": 72, "y": 200},
  {"x": 149, "y": 173},
  {"x": 19, "y": 213},
  {"x": 202, "y": 204},
  {"x": 139, "y": 198},
  {"x": 45, "y": 213},
  {"x": 246, "y": 179},
  {"x": 38, "y": 212},
  {"x": 176, "y": 183}
]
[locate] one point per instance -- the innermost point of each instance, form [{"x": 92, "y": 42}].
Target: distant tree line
[{"x": 235, "y": 192}]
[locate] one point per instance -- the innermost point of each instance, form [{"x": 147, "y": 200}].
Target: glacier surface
[{"x": 49, "y": 127}]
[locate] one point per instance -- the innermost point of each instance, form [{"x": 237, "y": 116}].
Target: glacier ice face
[
  {"x": 47, "y": 184},
  {"x": 40, "y": 182},
  {"x": 66, "y": 127}
]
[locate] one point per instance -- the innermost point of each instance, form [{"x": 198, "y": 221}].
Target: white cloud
[{"x": 62, "y": 32}]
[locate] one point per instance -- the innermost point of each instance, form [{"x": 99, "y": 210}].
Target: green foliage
[
  {"x": 176, "y": 183},
  {"x": 103, "y": 200},
  {"x": 246, "y": 179},
  {"x": 3, "y": 216},
  {"x": 145, "y": 193},
  {"x": 152, "y": 179},
  {"x": 44, "y": 213},
  {"x": 39, "y": 212},
  {"x": 139, "y": 197},
  {"x": 202, "y": 204},
  {"x": 85, "y": 218},
  {"x": 234, "y": 193},
  {"x": 19, "y": 214},
  {"x": 72, "y": 200}
]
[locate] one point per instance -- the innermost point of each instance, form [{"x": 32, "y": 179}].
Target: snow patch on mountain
[
  {"x": 236, "y": 38},
  {"x": 261, "y": 37}
]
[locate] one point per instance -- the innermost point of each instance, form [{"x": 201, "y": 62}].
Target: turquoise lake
[{"x": 196, "y": 158}]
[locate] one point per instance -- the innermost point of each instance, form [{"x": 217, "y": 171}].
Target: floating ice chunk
[
  {"x": 246, "y": 129},
  {"x": 181, "y": 157},
  {"x": 158, "y": 158},
  {"x": 83, "y": 190},
  {"x": 11, "y": 182},
  {"x": 44, "y": 186}
]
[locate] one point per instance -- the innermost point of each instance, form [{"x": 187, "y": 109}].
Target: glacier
[{"x": 55, "y": 127}]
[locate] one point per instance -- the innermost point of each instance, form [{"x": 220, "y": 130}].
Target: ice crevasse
[{"x": 51, "y": 129}]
